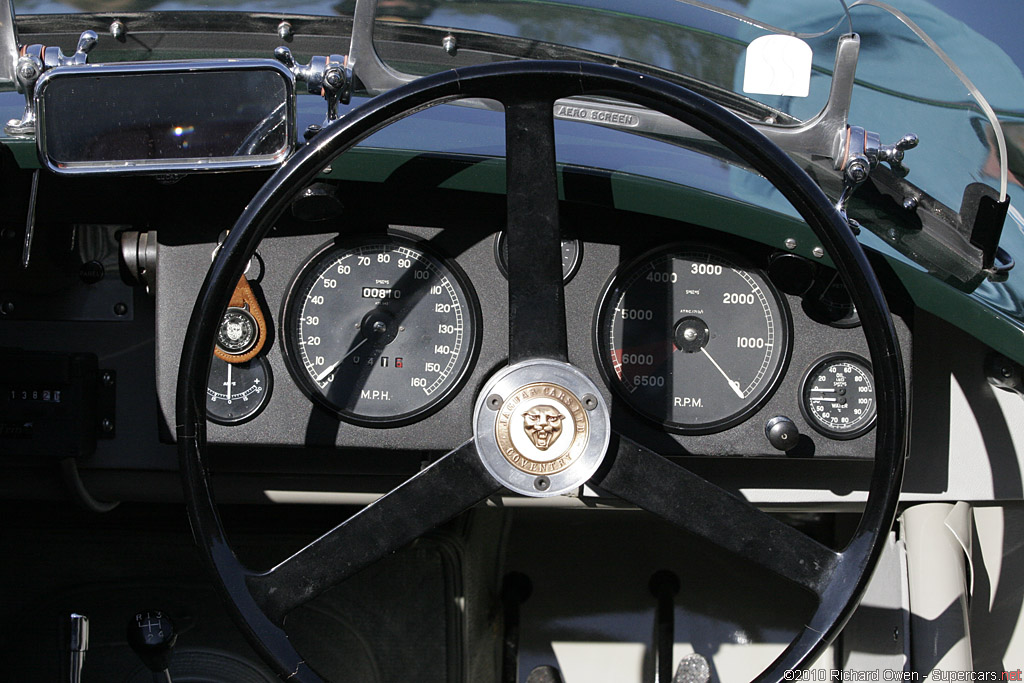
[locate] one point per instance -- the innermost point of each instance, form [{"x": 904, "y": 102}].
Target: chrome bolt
[
  {"x": 450, "y": 45},
  {"x": 910, "y": 203},
  {"x": 117, "y": 29},
  {"x": 790, "y": 243},
  {"x": 589, "y": 401},
  {"x": 494, "y": 401},
  {"x": 857, "y": 171},
  {"x": 334, "y": 79},
  {"x": 818, "y": 252},
  {"x": 284, "y": 31},
  {"x": 108, "y": 379},
  {"x": 27, "y": 71},
  {"x": 107, "y": 425}
]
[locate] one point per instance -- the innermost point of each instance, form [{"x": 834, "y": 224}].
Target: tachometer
[
  {"x": 692, "y": 340},
  {"x": 380, "y": 331}
]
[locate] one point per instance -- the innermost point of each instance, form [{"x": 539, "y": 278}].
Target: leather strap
[{"x": 243, "y": 297}]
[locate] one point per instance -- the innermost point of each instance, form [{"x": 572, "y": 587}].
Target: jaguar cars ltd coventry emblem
[{"x": 542, "y": 428}]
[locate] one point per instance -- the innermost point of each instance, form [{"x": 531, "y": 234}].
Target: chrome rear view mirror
[{"x": 159, "y": 117}]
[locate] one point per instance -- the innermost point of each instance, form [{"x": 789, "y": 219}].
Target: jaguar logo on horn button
[{"x": 542, "y": 428}]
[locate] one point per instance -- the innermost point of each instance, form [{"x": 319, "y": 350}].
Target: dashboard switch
[{"x": 782, "y": 433}]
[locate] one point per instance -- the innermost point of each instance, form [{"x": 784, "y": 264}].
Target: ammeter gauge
[
  {"x": 236, "y": 392},
  {"x": 838, "y": 396}
]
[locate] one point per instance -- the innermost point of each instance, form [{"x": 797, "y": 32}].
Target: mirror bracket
[
  {"x": 34, "y": 60},
  {"x": 328, "y": 76}
]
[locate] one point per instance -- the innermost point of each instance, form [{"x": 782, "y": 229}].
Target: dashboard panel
[{"x": 787, "y": 316}]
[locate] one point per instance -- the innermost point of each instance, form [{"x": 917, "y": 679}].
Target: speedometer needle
[
  {"x": 732, "y": 383},
  {"x": 322, "y": 375}
]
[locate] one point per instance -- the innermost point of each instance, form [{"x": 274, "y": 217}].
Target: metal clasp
[
  {"x": 328, "y": 76},
  {"x": 863, "y": 151},
  {"x": 34, "y": 60}
]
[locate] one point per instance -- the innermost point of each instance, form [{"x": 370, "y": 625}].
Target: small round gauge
[
  {"x": 838, "y": 396},
  {"x": 572, "y": 254},
  {"x": 692, "y": 339},
  {"x": 236, "y": 392},
  {"x": 379, "y": 331}
]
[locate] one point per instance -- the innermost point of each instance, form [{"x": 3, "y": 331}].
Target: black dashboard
[{"x": 452, "y": 310}]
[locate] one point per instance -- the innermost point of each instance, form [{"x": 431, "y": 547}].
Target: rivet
[
  {"x": 542, "y": 483},
  {"x": 589, "y": 401},
  {"x": 494, "y": 401}
]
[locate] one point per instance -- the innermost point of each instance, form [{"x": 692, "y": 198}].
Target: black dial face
[
  {"x": 379, "y": 331},
  {"x": 572, "y": 254},
  {"x": 237, "y": 392},
  {"x": 692, "y": 340},
  {"x": 838, "y": 396}
]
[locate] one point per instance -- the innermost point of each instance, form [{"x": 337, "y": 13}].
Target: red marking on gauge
[{"x": 649, "y": 355}]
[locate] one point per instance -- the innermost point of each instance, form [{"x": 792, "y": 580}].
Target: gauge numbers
[
  {"x": 691, "y": 340},
  {"x": 838, "y": 396},
  {"x": 379, "y": 331}
]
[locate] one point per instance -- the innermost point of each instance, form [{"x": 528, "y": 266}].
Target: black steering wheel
[{"x": 259, "y": 601}]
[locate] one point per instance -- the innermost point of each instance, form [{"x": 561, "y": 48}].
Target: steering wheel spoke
[
  {"x": 673, "y": 493},
  {"x": 449, "y": 486},
  {"x": 535, "y": 294}
]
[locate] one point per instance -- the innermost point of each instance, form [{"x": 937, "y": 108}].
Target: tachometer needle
[
  {"x": 732, "y": 383},
  {"x": 322, "y": 375}
]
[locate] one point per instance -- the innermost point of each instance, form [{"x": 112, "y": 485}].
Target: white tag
[{"x": 778, "y": 65}]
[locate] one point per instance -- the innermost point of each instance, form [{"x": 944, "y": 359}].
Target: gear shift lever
[{"x": 151, "y": 634}]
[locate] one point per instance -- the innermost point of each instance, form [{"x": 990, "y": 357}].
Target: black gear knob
[{"x": 151, "y": 634}]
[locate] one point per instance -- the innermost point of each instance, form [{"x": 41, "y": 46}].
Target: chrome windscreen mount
[
  {"x": 34, "y": 60},
  {"x": 329, "y": 76}
]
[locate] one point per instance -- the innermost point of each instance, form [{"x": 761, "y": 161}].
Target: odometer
[
  {"x": 691, "y": 339},
  {"x": 379, "y": 331}
]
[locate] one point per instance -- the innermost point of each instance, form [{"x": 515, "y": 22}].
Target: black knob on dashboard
[
  {"x": 782, "y": 433},
  {"x": 151, "y": 634}
]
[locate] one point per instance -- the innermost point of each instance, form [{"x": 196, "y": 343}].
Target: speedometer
[
  {"x": 691, "y": 339},
  {"x": 379, "y": 331}
]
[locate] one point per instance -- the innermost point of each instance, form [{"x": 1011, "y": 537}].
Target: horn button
[{"x": 541, "y": 427}]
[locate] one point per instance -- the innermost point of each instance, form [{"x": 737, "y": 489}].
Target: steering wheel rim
[{"x": 460, "y": 473}]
